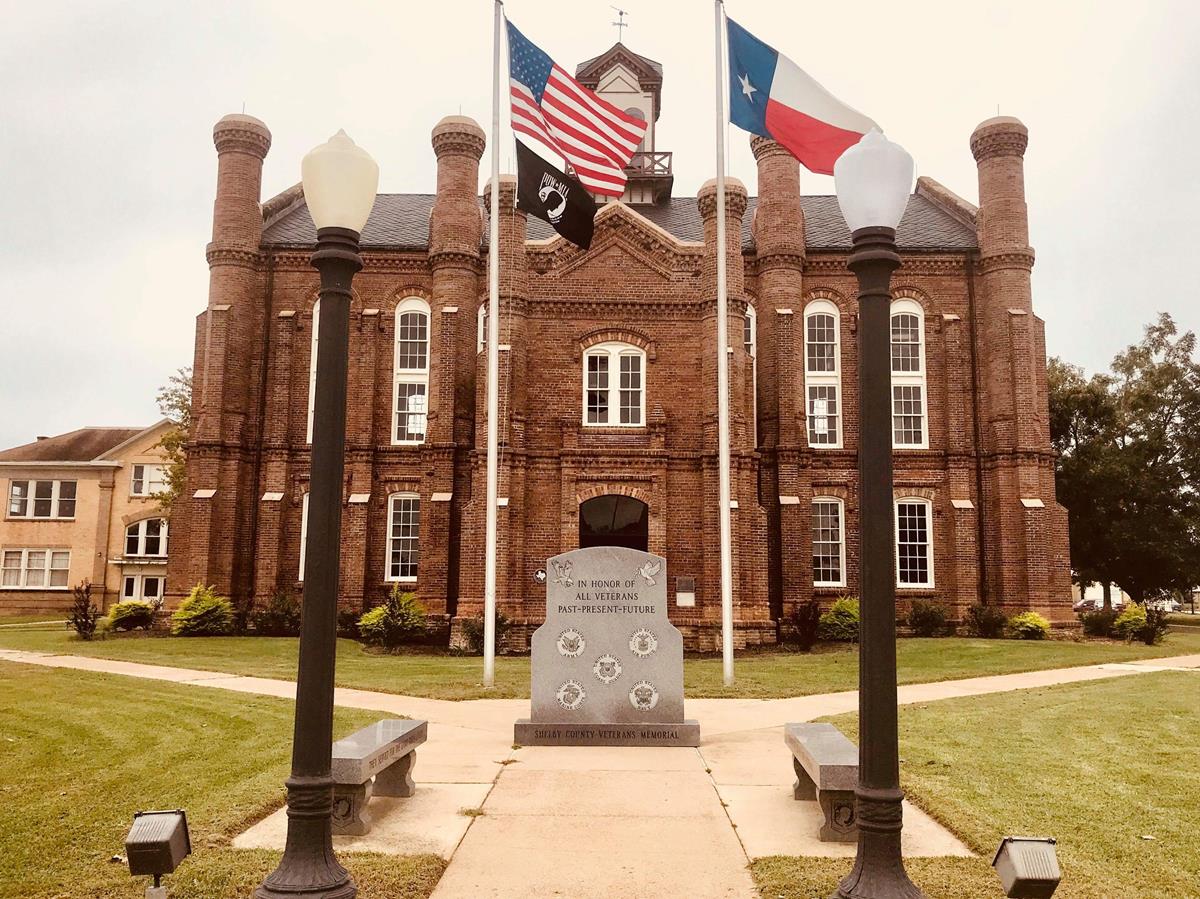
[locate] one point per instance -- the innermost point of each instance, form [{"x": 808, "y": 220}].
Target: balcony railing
[{"x": 657, "y": 163}]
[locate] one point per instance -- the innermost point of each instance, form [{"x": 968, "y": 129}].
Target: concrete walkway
[{"x": 587, "y": 822}]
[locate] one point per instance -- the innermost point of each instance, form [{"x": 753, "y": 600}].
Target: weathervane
[{"x": 620, "y": 23}]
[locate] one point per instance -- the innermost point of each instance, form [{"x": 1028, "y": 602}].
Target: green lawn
[
  {"x": 82, "y": 752},
  {"x": 759, "y": 674},
  {"x": 1099, "y": 766},
  {"x": 57, "y": 618}
]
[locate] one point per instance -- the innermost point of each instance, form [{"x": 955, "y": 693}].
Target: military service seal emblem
[
  {"x": 607, "y": 669},
  {"x": 643, "y": 696},
  {"x": 643, "y": 643},
  {"x": 571, "y": 695},
  {"x": 571, "y": 643}
]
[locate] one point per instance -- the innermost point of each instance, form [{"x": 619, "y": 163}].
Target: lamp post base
[{"x": 878, "y": 871}]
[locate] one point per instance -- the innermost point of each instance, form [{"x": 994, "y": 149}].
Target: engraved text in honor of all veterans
[{"x": 600, "y": 596}]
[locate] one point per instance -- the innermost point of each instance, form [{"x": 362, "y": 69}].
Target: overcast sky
[{"x": 107, "y": 164}]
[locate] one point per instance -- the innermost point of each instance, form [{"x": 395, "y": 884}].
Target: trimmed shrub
[
  {"x": 1029, "y": 626},
  {"x": 927, "y": 619},
  {"x": 203, "y": 614},
  {"x": 1098, "y": 623},
  {"x": 840, "y": 622},
  {"x": 472, "y": 632},
  {"x": 1155, "y": 627},
  {"x": 985, "y": 621},
  {"x": 1130, "y": 622},
  {"x": 280, "y": 617},
  {"x": 397, "y": 621},
  {"x": 805, "y": 623},
  {"x": 347, "y": 623},
  {"x": 84, "y": 614},
  {"x": 127, "y": 616}
]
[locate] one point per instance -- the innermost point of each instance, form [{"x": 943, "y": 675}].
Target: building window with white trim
[
  {"x": 147, "y": 480},
  {"x": 404, "y": 537},
  {"x": 481, "y": 327},
  {"x": 828, "y": 542},
  {"x": 35, "y": 569},
  {"x": 142, "y": 588},
  {"x": 909, "y": 413},
  {"x": 914, "y": 543},
  {"x": 146, "y": 538},
  {"x": 614, "y": 392},
  {"x": 312, "y": 369},
  {"x": 41, "y": 499},
  {"x": 822, "y": 374},
  {"x": 303, "y": 533},
  {"x": 410, "y": 397},
  {"x": 750, "y": 342}
]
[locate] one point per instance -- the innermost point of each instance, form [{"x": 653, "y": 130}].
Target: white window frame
[
  {"x": 614, "y": 351},
  {"x": 841, "y": 513},
  {"x": 312, "y": 369},
  {"x": 910, "y": 379},
  {"x": 928, "y": 507},
  {"x": 141, "y": 527},
  {"x": 481, "y": 329},
  {"x": 823, "y": 380},
  {"x": 47, "y": 570},
  {"x": 303, "y": 535},
  {"x": 139, "y": 587},
  {"x": 31, "y": 499},
  {"x": 151, "y": 475},
  {"x": 410, "y": 375},
  {"x": 391, "y": 538},
  {"x": 750, "y": 343}
]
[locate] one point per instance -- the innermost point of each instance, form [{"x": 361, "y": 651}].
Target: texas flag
[{"x": 770, "y": 95}]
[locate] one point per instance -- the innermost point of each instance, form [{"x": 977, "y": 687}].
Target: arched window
[
  {"x": 146, "y": 538},
  {"x": 641, "y": 116},
  {"x": 822, "y": 374},
  {"x": 909, "y": 418},
  {"x": 914, "y": 542},
  {"x": 312, "y": 369},
  {"x": 481, "y": 327},
  {"x": 404, "y": 537},
  {"x": 828, "y": 542},
  {"x": 412, "y": 371},
  {"x": 614, "y": 392},
  {"x": 750, "y": 342}
]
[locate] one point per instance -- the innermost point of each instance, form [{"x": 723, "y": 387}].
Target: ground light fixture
[
  {"x": 874, "y": 180},
  {"x": 1027, "y": 867},
  {"x": 156, "y": 844},
  {"x": 340, "y": 182}
]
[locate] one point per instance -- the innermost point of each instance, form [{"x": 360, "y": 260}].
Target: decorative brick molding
[
  {"x": 999, "y": 136},
  {"x": 615, "y": 335}
]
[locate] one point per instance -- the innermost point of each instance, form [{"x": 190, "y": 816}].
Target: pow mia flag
[{"x": 554, "y": 197}]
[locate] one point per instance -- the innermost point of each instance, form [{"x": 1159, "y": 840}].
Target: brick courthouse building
[{"x": 608, "y": 390}]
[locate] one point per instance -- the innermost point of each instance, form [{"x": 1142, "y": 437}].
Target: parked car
[
  {"x": 1165, "y": 604},
  {"x": 1087, "y": 605}
]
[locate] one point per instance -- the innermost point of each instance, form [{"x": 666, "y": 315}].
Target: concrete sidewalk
[{"x": 587, "y": 822}]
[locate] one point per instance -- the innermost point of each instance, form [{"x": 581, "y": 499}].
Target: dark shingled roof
[
  {"x": 83, "y": 445},
  {"x": 401, "y": 221}
]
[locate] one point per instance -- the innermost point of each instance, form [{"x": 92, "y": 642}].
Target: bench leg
[
  {"x": 840, "y": 824},
  {"x": 803, "y": 788},
  {"x": 350, "y": 816},
  {"x": 396, "y": 779}
]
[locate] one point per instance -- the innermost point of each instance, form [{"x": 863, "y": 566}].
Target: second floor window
[
  {"x": 41, "y": 499},
  {"x": 146, "y": 538},
  {"x": 822, "y": 374},
  {"x": 909, "y": 413},
  {"x": 614, "y": 390},
  {"x": 411, "y": 371},
  {"x": 147, "y": 480}
]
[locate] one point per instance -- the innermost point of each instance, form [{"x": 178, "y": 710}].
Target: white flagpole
[
  {"x": 493, "y": 374},
  {"x": 723, "y": 371}
]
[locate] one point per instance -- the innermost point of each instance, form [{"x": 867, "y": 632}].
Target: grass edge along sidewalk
[
  {"x": 81, "y": 752},
  {"x": 760, "y": 675},
  {"x": 1102, "y": 766}
]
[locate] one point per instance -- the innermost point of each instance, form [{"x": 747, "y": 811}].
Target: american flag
[{"x": 593, "y": 136}]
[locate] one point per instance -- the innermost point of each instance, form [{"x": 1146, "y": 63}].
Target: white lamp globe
[
  {"x": 340, "y": 181},
  {"x": 873, "y": 180}
]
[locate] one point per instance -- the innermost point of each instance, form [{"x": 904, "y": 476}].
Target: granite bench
[
  {"x": 826, "y": 766},
  {"x": 377, "y": 760}
]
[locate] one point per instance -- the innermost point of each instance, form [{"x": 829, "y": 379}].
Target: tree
[
  {"x": 1129, "y": 466},
  {"x": 175, "y": 404}
]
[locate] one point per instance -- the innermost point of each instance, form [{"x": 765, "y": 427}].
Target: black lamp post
[
  {"x": 340, "y": 182},
  {"x": 873, "y": 182}
]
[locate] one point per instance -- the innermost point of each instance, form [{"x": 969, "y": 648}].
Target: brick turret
[{"x": 1025, "y": 532}]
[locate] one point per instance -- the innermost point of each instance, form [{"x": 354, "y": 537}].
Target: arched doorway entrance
[{"x": 614, "y": 520}]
